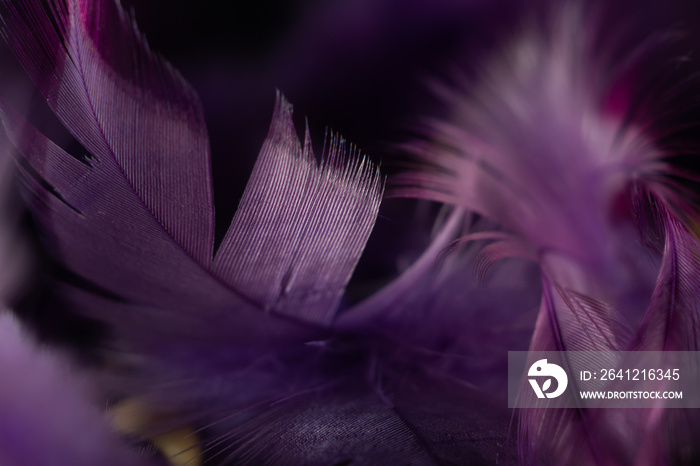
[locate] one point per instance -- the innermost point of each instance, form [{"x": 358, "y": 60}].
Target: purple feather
[
  {"x": 49, "y": 413},
  {"x": 159, "y": 247},
  {"x": 672, "y": 319},
  {"x": 249, "y": 340},
  {"x": 244, "y": 343},
  {"x": 14, "y": 253},
  {"x": 535, "y": 147},
  {"x": 297, "y": 259},
  {"x": 222, "y": 340}
]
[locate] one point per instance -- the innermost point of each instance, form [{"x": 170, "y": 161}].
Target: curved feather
[
  {"x": 160, "y": 143},
  {"x": 309, "y": 229},
  {"x": 672, "y": 320},
  {"x": 534, "y": 147},
  {"x": 194, "y": 332},
  {"x": 671, "y": 323},
  {"x": 153, "y": 221}
]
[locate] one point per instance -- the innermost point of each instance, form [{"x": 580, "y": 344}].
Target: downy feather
[
  {"x": 46, "y": 404},
  {"x": 535, "y": 147}
]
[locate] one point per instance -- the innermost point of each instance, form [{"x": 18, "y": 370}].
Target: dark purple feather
[
  {"x": 426, "y": 422},
  {"x": 14, "y": 253}
]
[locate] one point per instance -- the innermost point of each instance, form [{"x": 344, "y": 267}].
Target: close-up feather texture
[{"x": 529, "y": 185}]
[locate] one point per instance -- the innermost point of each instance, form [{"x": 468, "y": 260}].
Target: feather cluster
[
  {"x": 582, "y": 191},
  {"x": 243, "y": 349}
]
